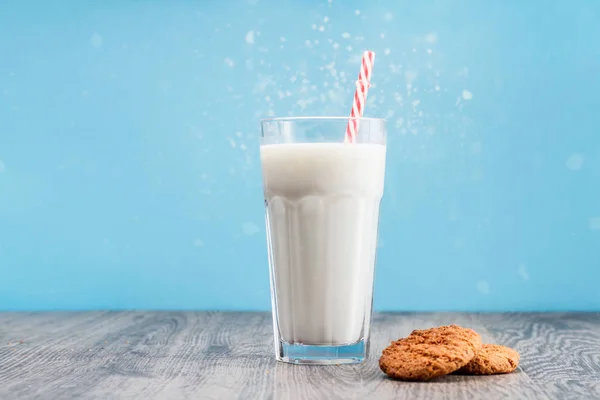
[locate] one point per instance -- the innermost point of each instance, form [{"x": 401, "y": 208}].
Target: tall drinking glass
[{"x": 322, "y": 201}]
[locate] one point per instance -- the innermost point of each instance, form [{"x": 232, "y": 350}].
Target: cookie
[
  {"x": 426, "y": 354},
  {"x": 492, "y": 359}
]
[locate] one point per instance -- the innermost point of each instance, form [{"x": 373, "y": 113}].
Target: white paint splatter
[
  {"x": 229, "y": 62},
  {"x": 326, "y": 19},
  {"x": 336, "y": 45},
  {"x": 523, "y": 272},
  {"x": 429, "y": 51},
  {"x": 388, "y": 16},
  {"x": 250, "y": 37},
  {"x": 467, "y": 95},
  {"x": 483, "y": 287},
  {"x": 437, "y": 88},
  {"x": 250, "y": 228},
  {"x": 314, "y": 26},
  {"x": 198, "y": 242},
  {"x": 231, "y": 142},
  {"x": 321, "y": 28},
  {"x": 410, "y": 76},
  {"x": 387, "y": 52},
  {"x": 282, "y": 39},
  {"x": 346, "y": 35},
  {"x": 357, "y": 12},
  {"x": 96, "y": 40},
  {"x": 381, "y": 35},
  {"x": 575, "y": 162},
  {"x": 431, "y": 37},
  {"x": 595, "y": 223}
]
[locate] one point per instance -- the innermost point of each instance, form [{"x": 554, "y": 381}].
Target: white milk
[{"x": 322, "y": 217}]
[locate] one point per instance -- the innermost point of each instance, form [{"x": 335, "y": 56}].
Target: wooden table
[{"x": 214, "y": 355}]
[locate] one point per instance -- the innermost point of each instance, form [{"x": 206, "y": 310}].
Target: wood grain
[{"x": 171, "y": 355}]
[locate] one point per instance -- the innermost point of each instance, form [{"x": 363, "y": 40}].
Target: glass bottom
[{"x": 354, "y": 353}]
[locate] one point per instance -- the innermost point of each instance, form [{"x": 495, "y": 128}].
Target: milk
[{"x": 322, "y": 210}]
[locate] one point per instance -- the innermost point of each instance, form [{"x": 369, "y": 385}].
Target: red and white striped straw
[{"x": 360, "y": 95}]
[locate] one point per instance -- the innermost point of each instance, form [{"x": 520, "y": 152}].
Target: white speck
[
  {"x": 321, "y": 28},
  {"x": 575, "y": 162},
  {"x": 243, "y": 147},
  {"x": 249, "y": 228},
  {"x": 414, "y": 50},
  {"x": 437, "y": 88},
  {"x": 410, "y": 76},
  {"x": 349, "y": 48},
  {"x": 357, "y": 12},
  {"x": 483, "y": 287},
  {"x": 467, "y": 95},
  {"x": 459, "y": 242},
  {"x": 308, "y": 43},
  {"x": 2, "y": 167},
  {"x": 336, "y": 45},
  {"x": 231, "y": 142},
  {"x": 381, "y": 35},
  {"x": 595, "y": 223},
  {"x": 431, "y": 37},
  {"x": 387, "y": 52},
  {"x": 198, "y": 242},
  {"x": 229, "y": 62},
  {"x": 96, "y": 40},
  {"x": 326, "y": 19},
  {"x": 346, "y": 35},
  {"x": 523, "y": 272},
  {"x": 282, "y": 39},
  {"x": 250, "y": 37},
  {"x": 388, "y": 16},
  {"x": 316, "y": 42},
  {"x": 416, "y": 103},
  {"x": 429, "y": 51},
  {"x": 314, "y": 26}
]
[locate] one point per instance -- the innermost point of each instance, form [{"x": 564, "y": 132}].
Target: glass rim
[{"x": 293, "y": 119}]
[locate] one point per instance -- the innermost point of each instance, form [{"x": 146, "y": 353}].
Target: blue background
[{"x": 129, "y": 168}]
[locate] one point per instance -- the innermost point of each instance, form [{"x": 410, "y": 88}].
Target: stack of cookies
[{"x": 434, "y": 352}]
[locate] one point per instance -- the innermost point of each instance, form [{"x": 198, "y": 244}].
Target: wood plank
[
  {"x": 560, "y": 351},
  {"x": 230, "y": 355}
]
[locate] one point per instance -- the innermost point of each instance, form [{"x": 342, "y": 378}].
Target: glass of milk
[{"x": 322, "y": 213}]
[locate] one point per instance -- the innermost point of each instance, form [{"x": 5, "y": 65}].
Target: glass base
[{"x": 354, "y": 353}]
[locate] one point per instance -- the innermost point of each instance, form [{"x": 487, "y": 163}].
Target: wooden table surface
[{"x": 213, "y": 355}]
